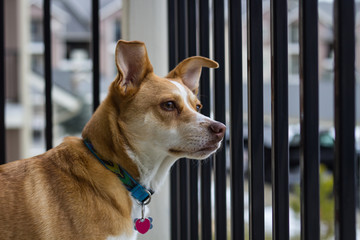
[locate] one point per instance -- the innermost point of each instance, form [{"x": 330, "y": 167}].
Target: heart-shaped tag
[{"x": 142, "y": 225}]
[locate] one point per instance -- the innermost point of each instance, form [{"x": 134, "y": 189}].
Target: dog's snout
[{"x": 218, "y": 129}]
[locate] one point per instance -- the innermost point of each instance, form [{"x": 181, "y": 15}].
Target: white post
[
  {"x": 146, "y": 21},
  {"x": 24, "y": 73}
]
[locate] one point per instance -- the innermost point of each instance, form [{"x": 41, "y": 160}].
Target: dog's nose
[{"x": 218, "y": 129}]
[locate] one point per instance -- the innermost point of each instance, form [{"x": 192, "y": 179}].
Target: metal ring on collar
[{"x": 147, "y": 201}]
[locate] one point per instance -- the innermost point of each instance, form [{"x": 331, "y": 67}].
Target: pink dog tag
[{"x": 143, "y": 225}]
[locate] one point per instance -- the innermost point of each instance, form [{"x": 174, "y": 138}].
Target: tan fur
[
  {"x": 66, "y": 193},
  {"x": 62, "y": 194}
]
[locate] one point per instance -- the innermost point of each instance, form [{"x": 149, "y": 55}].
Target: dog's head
[{"x": 163, "y": 113}]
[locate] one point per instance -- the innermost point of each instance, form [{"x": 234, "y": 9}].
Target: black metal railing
[
  {"x": 309, "y": 119},
  {"x": 344, "y": 184},
  {"x": 236, "y": 133},
  {"x": 255, "y": 119},
  {"x": 279, "y": 119},
  {"x": 48, "y": 74},
  {"x": 205, "y": 93},
  {"x": 190, "y": 24},
  {"x": 96, "y": 53},
  {"x": 309, "y": 112}
]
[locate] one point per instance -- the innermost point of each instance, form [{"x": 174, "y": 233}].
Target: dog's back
[
  {"x": 49, "y": 197},
  {"x": 13, "y": 195}
]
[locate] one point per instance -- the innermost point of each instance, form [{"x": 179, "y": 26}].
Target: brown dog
[{"x": 144, "y": 125}]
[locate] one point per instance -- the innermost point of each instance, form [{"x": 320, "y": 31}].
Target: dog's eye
[
  {"x": 168, "y": 106},
  {"x": 198, "y": 107}
]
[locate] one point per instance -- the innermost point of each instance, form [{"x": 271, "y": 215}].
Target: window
[
  {"x": 330, "y": 50},
  {"x": 36, "y": 30},
  {"x": 294, "y": 32},
  {"x": 294, "y": 64},
  {"x": 72, "y": 46},
  {"x": 37, "y": 63}
]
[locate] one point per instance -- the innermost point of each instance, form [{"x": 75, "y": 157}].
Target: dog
[{"x": 81, "y": 189}]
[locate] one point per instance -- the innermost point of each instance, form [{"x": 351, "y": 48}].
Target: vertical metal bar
[
  {"x": 48, "y": 74},
  {"x": 2, "y": 85},
  {"x": 345, "y": 208},
  {"x": 172, "y": 33},
  {"x": 182, "y": 29},
  {"x": 183, "y": 198},
  {"x": 206, "y": 210},
  {"x": 183, "y": 163},
  {"x": 309, "y": 120},
  {"x": 96, "y": 56},
  {"x": 220, "y": 158},
  {"x": 255, "y": 118},
  {"x": 193, "y": 200},
  {"x": 236, "y": 110},
  {"x": 172, "y": 63},
  {"x": 174, "y": 203},
  {"x": 279, "y": 120},
  {"x": 193, "y": 165},
  {"x": 191, "y": 23}
]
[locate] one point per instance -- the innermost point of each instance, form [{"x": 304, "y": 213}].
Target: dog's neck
[
  {"x": 144, "y": 163},
  {"x": 153, "y": 165}
]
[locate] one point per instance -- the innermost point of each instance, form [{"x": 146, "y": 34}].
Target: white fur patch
[
  {"x": 184, "y": 94},
  {"x": 123, "y": 237}
]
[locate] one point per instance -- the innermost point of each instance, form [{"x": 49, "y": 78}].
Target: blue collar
[{"x": 139, "y": 192}]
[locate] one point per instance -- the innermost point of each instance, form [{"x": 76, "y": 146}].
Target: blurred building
[
  {"x": 71, "y": 62},
  {"x": 325, "y": 38},
  {"x": 17, "y": 128}
]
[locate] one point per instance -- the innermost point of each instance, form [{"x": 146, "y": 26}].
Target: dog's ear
[
  {"x": 132, "y": 63},
  {"x": 189, "y": 71}
]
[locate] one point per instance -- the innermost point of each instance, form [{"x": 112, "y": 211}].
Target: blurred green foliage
[{"x": 326, "y": 196}]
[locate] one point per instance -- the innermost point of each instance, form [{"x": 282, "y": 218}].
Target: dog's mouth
[
  {"x": 174, "y": 151},
  {"x": 207, "y": 149}
]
